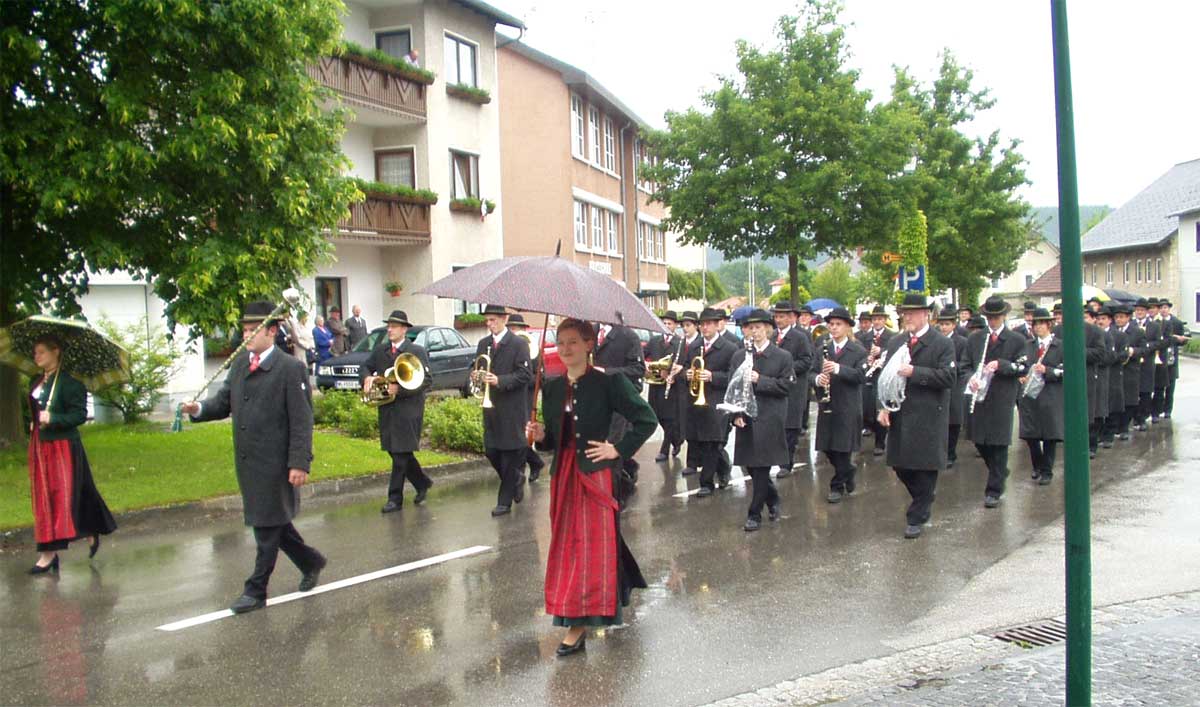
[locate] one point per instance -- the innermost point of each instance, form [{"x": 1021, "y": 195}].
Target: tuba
[
  {"x": 696, "y": 386},
  {"x": 479, "y": 389},
  {"x": 658, "y": 370},
  {"x": 406, "y": 372},
  {"x": 819, "y": 331}
]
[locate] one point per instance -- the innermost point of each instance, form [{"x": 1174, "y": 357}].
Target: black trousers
[
  {"x": 672, "y": 437},
  {"x": 922, "y": 487},
  {"x": 1145, "y": 406},
  {"x": 1041, "y": 454},
  {"x": 713, "y": 460},
  {"x": 692, "y": 458},
  {"x": 534, "y": 460},
  {"x": 880, "y": 433},
  {"x": 952, "y": 442},
  {"x": 616, "y": 432},
  {"x": 1131, "y": 418},
  {"x": 843, "y": 471},
  {"x": 507, "y": 463},
  {"x": 1094, "y": 433},
  {"x": 270, "y": 541},
  {"x": 1112, "y": 426},
  {"x": 406, "y": 466},
  {"x": 1159, "y": 403},
  {"x": 996, "y": 458},
  {"x": 764, "y": 493},
  {"x": 793, "y": 441},
  {"x": 1169, "y": 394}
]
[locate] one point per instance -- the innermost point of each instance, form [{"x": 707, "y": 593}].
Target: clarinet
[
  {"x": 979, "y": 373},
  {"x": 674, "y": 362}
]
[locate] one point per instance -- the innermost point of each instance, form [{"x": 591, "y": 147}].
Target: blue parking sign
[{"x": 912, "y": 280}]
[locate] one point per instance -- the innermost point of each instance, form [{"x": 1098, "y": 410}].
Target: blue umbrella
[
  {"x": 741, "y": 313},
  {"x": 822, "y": 303}
]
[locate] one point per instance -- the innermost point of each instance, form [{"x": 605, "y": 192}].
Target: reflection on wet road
[{"x": 726, "y": 612}]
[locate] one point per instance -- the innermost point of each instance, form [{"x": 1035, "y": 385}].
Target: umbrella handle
[{"x": 537, "y": 381}]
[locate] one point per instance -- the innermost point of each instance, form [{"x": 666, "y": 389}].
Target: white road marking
[{"x": 339, "y": 584}]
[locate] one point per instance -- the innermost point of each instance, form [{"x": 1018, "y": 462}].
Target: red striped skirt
[
  {"x": 52, "y": 489},
  {"x": 581, "y": 571}
]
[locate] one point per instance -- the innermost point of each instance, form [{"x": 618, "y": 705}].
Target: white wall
[
  {"x": 357, "y": 144},
  {"x": 357, "y": 24},
  {"x": 360, "y": 268},
  {"x": 1189, "y": 268}
]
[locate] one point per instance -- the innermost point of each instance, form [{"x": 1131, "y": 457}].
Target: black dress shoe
[
  {"x": 834, "y": 497},
  {"x": 676, "y": 450},
  {"x": 784, "y": 472},
  {"x": 911, "y": 532},
  {"x": 501, "y": 510},
  {"x": 40, "y": 569},
  {"x": 991, "y": 502},
  {"x": 1091, "y": 454},
  {"x": 950, "y": 463},
  {"x": 311, "y": 577},
  {"x": 1044, "y": 480},
  {"x": 391, "y": 507},
  {"x": 773, "y": 512},
  {"x": 568, "y": 649},
  {"x": 1106, "y": 445},
  {"x": 246, "y": 603},
  {"x": 94, "y": 546},
  {"x": 704, "y": 491},
  {"x": 520, "y": 493},
  {"x": 661, "y": 457},
  {"x": 420, "y": 497},
  {"x": 751, "y": 525},
  {"x": 535, "y": 474},
  {"x": 687, "y": 471},
  {"x": 1123, "y": 436}
]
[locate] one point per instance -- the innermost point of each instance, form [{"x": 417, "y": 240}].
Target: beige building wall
[
  {"x": 1162, "y": 261},
  {"x": 1030, "y": 266}
]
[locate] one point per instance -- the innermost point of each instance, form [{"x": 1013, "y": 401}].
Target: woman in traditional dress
[
  {"x": 66, "y": 504},
  {"x": 590, "y": 573}
]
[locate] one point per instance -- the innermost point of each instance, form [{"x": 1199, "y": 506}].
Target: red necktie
[
  {"x": 253, "y": 362},
  {"x": 779, "y": 339},
  {"x": 600, "y": 339},
  {"x": 1041, "y": 351},
  {"x": 912, "y": 341},
  {"x": 395, "y": 350},
  {"x": 993, "y": 338}
]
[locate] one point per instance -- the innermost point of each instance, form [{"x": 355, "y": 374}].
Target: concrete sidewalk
[{"x": 1143, "y": 652}]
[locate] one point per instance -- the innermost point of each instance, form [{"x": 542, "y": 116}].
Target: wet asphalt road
[{"x": 726, "y": 612}]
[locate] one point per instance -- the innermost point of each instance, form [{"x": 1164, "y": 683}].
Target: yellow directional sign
[{"x": 889, "y": 258}]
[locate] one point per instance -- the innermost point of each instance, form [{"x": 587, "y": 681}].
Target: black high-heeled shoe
[
  {"x": 94, "y": 547},
  {"x": 39, "y": 569},
  {"x": 568, "y": 649}
]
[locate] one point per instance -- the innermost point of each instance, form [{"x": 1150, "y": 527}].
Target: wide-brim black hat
[
  {"x": 878, "y": 311},
  {"x": 1029, "y": 307},
  {"x": 995, "y": 306},
  {"x": 864, "y": 315},
  {"x": 1041, "y": 315},
  {"x": 257, "y": 312},
  {"x": 397, "y": 317},
  {"x": 1142, "y": 302},
  {"x": 914, "y": 300},
  {"x": 948, "y": 314},
  {"x": 805, "y": 309},
  {"x": 495, "y": 309},
  {"x": 1152, "y": 302},
  {"x": 976, "y": 322},
  {"x": 1164, "y": 301},
  {"x": 783, "y": 308},
  {"x": 966, "y": 308},
  {"x": 669, "y": 314},
  {"x": 1057, "y": 307},
  {"x": 840, "y": 313},
  {"x": 689, "y": 317},
  {"x": 517, "y": 320},
  {"x": 758, "y": 316},
  {"x": 1105, "y": 310},
  {"x": 711, "y": 314}
]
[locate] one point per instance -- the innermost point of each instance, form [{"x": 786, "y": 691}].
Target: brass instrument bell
[
  {"x": 479, "y": 389},
  {"x": 658, "y": 370},
  {"x": 406, "y": 372},
  {"x": 696, "y": 386}
]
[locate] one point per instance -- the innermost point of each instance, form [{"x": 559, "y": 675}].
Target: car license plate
[{"x": 346, "y": 385}]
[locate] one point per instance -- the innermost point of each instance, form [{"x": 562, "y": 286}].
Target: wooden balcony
[
  {"x": 365, "y": 84},
  {"x": 386, "y": 220}
]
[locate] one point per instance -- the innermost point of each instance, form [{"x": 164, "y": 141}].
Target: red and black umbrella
[{"x": 547, "y": 284}]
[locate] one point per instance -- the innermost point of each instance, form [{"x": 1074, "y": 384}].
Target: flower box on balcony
[
  {"x": 469, "y": 93},
  {"x": 386, "y": 63},
  {"x": 471, "y": 205},
  {"x": 393, "y": 192},
  {"x": 468, "y": 321}
]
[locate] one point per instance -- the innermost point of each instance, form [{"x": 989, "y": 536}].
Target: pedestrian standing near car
[
  {"x": 338, "y": 329},
  {"x": 400, "y": 420},
  {"x": 839, "y": 403},
  {"x": 322, "y": 339},
  {"x": 356, "y": 328},
  {"x": 267, "y": 395}
]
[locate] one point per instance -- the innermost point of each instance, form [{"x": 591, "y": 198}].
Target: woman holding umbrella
[
  {"x": 66, "y": 503},
  {"x": 590, "y": 573}
]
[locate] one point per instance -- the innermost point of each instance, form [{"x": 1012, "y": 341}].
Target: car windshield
[{"x": 373, "y": 340}]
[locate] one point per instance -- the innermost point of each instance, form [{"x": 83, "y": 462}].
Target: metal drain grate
[{"x": 1044, "y": 633}]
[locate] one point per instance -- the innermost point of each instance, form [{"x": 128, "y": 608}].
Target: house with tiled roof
[
  {"x": 1151, "y": 245},
  {"x": 1047, "y": 288}
]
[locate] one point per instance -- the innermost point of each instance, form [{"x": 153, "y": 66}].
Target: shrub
[
  {"x": 153, "y": 361},
  {"x": 1192, "y": 346},
  {"x": 362, "y": 421},
  {"x": 334, "y": 408},
  {"x": 455, "y": 424},
  {"x": 419, "y": 196},
  {"x": 386, "y": 61}
]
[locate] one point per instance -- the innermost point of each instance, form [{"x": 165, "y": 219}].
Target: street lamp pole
[{"x": 1077, "y": 483}]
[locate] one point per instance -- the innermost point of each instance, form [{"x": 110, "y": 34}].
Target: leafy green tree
[
  {"x": 736, "y": 275},
  {"x": 694, "y": 285},
  {"x": 180, "y": 140},
  {"x": 153, "y": 361},
  {"x": 835, "y": 282},
  {"x": 913, "y": 247},
  {"x": 790, "y": 158},
  {"x": 785, "y": 295}
]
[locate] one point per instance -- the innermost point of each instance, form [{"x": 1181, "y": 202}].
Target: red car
[{"x": 554, "y": 364}]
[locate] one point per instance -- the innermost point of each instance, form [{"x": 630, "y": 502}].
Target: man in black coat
[
  {"x": 916, "y": 443},
  {"x": 1025, "y": 328},
  {"x": 798, "y": 344},
  {"x": 947, "y": 323},
  {"x": 1104, "y": 370},
  {"x": 1042, "y": 423},
  {"x": 875, "y": 342},
  {"x": 1116, "y": 377},
  {"x": 864, "y": 325},
  {"x": 806, "y": 321},
  {"x": 664, "y": 397},
  {"x": 400, "y": 420},
  {"x": 1151, "y": 336},
  {"x": 619, "y": 352},
  {"x": 964, "y": 320},
  {"x": 839, "y": 419},
  {"x": 504, "y": 441},
  {"x": 690, "y": 323},
  {"x": 1001, "y": 350},
  {"x": 1135, "y": 343},
  {"x": 761, "y": 441},
  {"x": 266, "y": 392},
  {"x": 708, "y": 427},
  {"x": 517, "y": 325},
  {"x": 1175, "y": 334},
  {"x": 1095, "y": 354}
]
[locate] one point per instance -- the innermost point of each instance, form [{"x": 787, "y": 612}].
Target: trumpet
[
  {"x": 406, "y": 372},
  {"x": 480, "y": 389},
  {"x": 658, "y": 370},
  {"x": 696, "y": 386}
]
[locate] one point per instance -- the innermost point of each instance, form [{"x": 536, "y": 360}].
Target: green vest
[{"x": 595, "y": 397}]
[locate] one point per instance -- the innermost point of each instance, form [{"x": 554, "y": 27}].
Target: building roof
[
  {"x": 1050, "y": 283},
  {"x": 577, "y": 79},
  {"x": 1152, "y": 216},
  {"x": 500, "y": 16}
]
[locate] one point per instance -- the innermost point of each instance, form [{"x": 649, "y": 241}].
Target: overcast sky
[{"x": 1135, "y": 68}]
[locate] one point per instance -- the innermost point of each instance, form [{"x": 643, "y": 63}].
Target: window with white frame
[
  {"x": 395, "y": 44},
  {"x": 1126, "y": 268},
  {"x": 580, "y": 225},
  {"x": 641, "y": 230},
  {"x": 660, "y": 245},
  {"x": 597, "y": 229},
  {"x": 1028, "y": 281},
  {"x": 1149, "y": 270},
  {"x": 594, "y": 122},
  {"x": 1158, "y": 270},
  {"x": 610, "y": 145},
  {"x": 995, "y": 282},
  {"x": 464, "y": 175},
  {"x": 577, "y": 129},
  {"x": 1108, "y": 272},
  {"x": 1139, "y": 270},
  {"x": 460, "y": 61},
  {"x": 613, "y": 247}
]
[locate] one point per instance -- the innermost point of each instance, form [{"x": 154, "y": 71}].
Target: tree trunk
[
  {"x": 794, "y": 277},
  {"x": 11, "y": 430}
]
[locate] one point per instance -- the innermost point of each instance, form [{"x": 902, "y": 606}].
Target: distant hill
[{"x": 1047, "y": 216}]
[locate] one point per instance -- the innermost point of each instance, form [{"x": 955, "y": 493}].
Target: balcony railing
[
  {"x": 370, "y": 85},
  {"x": 386, "y": 220}
]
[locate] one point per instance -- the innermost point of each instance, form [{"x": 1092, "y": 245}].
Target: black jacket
[
  {"x": 917, "y": 436},
  {"x": 504, "y": 423},
  {"x": 1116, "y": 371},
  {"x": 1042, "y": 417},
  {"x": 798, "y": 344},
  {"x": 763, "y": 441},
  {"x": 992, "y": 421},
  {"x": 667, "y": 407},
  {"x": 868, "y": 339},
  {"x": 621, "y": 354},
  {"x": 400, "y": 420},
  {"x": 707, "y": 423},
  {"x": 839, "y": 422}
]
